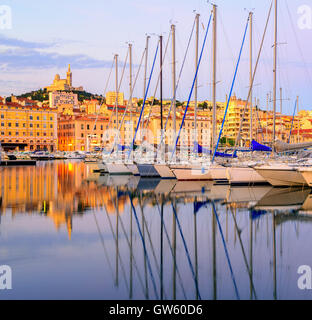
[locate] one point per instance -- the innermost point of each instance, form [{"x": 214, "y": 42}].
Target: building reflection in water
[{"x": 169, "y": 239}]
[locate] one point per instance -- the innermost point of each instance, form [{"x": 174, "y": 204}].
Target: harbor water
[{"x": 70, "y": 233}]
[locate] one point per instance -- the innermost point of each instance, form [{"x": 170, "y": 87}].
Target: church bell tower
[{"x": 69, "y": 76}]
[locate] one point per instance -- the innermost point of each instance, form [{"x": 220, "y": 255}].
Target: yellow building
[
  {"x": 111, "y": 98},
  {"x": 27, "y": 128}
]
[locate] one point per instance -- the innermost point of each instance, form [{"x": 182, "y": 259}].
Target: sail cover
[
  {"x": 200, "y": 149},
  {"x": 259, "y": 147},
  {"x": 283, "y": 147}
]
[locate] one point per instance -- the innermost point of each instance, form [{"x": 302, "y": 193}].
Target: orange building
[
  {"x": 27, "y": 127},
  {"x": 81, "y": 132}
]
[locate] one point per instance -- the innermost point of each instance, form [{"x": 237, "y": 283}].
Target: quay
[{"x": 8, "y": 163}]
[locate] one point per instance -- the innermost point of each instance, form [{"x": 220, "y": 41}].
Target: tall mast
[
  {"x": 196, "y": 80},
  {"x": 161, "y": 83},
  {"x": 281, "y": 98},
  {"x": 298, "y": 131},
  {"x": 214, "y": 75},
  {"x": 145, "y": 78},
  {"x": 275, "y": 74},
  {"x": 267, "y": 117},
  {"x": 174, "y": 82},
  {"x": 250, "y": 77},
  {"x": 116, "y": 88},
  {"x": 130, "y": 84}
]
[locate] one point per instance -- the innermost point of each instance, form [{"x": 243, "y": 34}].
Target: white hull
[
  {"x": 192, "y": 173},
  {"x": 307, "y": 175},
  {"x": 164, "y": 171},
  {"x": 281, "y": 176},
  {"x": 218, "y": 173},
  {"x": 118, "y": 169},
  {"x": 244, "y": 176},
  {"x": 134, "y": 169}
]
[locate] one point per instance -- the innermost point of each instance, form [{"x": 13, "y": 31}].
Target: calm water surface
[{"x": 69, "y": 233}]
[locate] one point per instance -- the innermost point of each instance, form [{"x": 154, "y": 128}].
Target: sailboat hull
[
  {"x": 192, "y": 173},
  {"x": 148, "y": 171},
  {"x": 307, "y": 175},
  {"x": 282, "y": 176},
  {"x": 117, "y": 169},
  {"x": 164, "y": 171},
  {"x": 244, "y": 176}
]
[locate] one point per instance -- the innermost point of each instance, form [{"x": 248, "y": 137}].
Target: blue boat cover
[
  {"x": 200, "y": 149},
  {"x": 259, "y": 147}
]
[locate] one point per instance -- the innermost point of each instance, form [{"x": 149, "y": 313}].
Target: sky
[{"x": 45, "y": 36}]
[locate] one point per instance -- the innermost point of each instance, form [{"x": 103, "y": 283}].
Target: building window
[
  {"x": 24, "y": 125},
  {"x": 9, "y": 124},
  {"x": 82, "y": 135},
  {"x": 38, "y": 134},
  {"x": 88, "y": 127},
  {"x": 37, "y": 118},
  {"x": 16, "y": 124},
  {"x": 2, "y": 116},
  {"x": 31, "y": 125},
  {"x": 16, "y": 133},
  {"x": 82, "y": 127},
  {"x": 51, "y": 126},
  {"x": 30, "y": 117},
  {"x": 2, "y": 124}
]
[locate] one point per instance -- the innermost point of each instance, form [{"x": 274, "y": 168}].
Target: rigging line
[
  {"x": 230, "y": 95},
  {"x": 144, "y": 246},
  {"x": 172, "y": 253},
  {"x": 130, "y": 99},
  {"x": 119, "y": 86},
  {"x": 143, "y": 106},
  {"x": 121, "y": 262},
  {"x": 127, "y": 238},
  {"x": 253, "y": 78},
  {"x": 190, "y": 95},
  {"x": 102, "y": 99},
  {"x": 103, "y": 244},
  {"x": 225, "y": 249},
  {"x": 177, "y": 84},
  {"x": 162, "y": 66},
  {"x": 299, "y": 46},
  {"x": 244, "y": 254},
  {"x": 292, "y": 121},
  {"x": 186, "y": 250}
]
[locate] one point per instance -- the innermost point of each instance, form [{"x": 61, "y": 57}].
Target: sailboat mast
[
  {"x": 130, "y": 84},
  {"x": 298, "y": 131},
  {"x": 174, "y": 82},
  {"x": 251, "y": 76},
  {"x": 116, "y": 88},
  {"x": 214, "y": 75},
  {"x": 145, "y": 78},
  {"x": 161, "y": 83},
  {"x": 196, "y": 80},
  {"x": 275, "y": 74}
]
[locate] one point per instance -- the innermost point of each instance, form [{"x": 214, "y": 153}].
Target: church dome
[{"x": 57, "y": 77}]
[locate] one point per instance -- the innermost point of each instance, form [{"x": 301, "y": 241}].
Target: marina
[
  {"x": 149, "y": 238},
  {"x": 189, "y": 177}
]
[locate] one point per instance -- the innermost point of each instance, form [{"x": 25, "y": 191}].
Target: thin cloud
[{"x": 25, "y": 59}]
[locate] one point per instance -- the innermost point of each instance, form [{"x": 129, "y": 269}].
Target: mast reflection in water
[{"x": 69, "y": 233}]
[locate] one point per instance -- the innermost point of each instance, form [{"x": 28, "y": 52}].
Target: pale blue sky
[{"x": 47, "y": 35}]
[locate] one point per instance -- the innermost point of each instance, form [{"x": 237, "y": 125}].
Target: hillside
[{"x": 43, "y": 95}]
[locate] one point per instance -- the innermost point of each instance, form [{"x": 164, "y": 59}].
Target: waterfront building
[
  {"x": 27, "y": 128},
  {"x": 81, "y": 132}
]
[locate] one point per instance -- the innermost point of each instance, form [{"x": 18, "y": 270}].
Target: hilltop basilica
[{"x": 63, "y": 84}]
